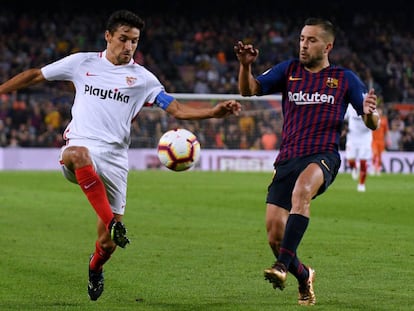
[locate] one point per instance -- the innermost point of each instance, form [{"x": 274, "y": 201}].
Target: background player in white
[
  {"x": 111, "y": 89},
  {"x": 358, "y": 150}
]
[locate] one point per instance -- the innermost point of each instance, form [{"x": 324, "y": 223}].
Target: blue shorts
[{"x": 279, "y": 192}]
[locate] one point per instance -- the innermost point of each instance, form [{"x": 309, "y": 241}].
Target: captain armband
[{"x": 163, "y": 100}]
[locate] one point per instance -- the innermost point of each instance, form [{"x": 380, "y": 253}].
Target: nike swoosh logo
[
  {"x": 86, "y": 187},
  {"x": 326, "y": 165},
  {"x": 88, "y": 74},
  {"x": 294, "y": 79}
]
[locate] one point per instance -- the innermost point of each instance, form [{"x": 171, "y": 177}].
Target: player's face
[
  {"x": 121, "y": 45},
  {"x": 314, "y": 49}
]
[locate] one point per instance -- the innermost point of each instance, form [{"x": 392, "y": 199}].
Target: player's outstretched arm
[
  {"x": 22, "y": 80},
  {"x": 221, "y": 110}
]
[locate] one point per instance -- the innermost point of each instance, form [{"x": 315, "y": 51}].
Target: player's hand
[
  {"x": 226, "y": 108},
  {"x": 371, "y": 116},
  {"x": 370, "y": 102},
  {"x": 246, "y": 53}
]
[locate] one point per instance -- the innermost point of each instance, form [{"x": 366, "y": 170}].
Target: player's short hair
[
  {"x": 124, "y": 18},
  {"x": 325, "y": 24}
]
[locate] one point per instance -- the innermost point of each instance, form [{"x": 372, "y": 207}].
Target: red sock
[
  {"x": 95, "y": 191},
  {"x": 352, "y": 163},
  {"x": 363, "y": 171},
  {"x": 100, "y": 256}
]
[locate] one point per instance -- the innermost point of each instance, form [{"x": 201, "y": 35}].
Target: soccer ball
[{"x": 178, "y": 149}]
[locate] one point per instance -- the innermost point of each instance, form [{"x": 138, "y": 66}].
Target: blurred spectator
[
  {"x": 233, "y": 136},
  {"x": 395, "y": 136},
  {"x": 18, "y": 113},
  {"x": 52, "y": 116},
  {"x": 220, "y": 138},
  {"x": 407, "y": 139},
  {"x": 244, "y": 141},
  {"x": 3, "y": 134},
  {"x": 392, "y": 92},
  {"x": 269, "y": 138},
  {"x": 50, "y": 138}
]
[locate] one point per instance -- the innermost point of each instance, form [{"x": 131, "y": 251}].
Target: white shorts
[
  {"x": 360, "y": 152},
  {"x": 112, "y": 167}
]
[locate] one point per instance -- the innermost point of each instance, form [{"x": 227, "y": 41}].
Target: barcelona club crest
[{"x": 332, "y": 83}]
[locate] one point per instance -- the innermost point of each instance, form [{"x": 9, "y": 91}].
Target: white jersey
[
  {"x": 358, "y": 138},
  {"x": 107, "y": 99},
  {"x": 358, "y": 133}
]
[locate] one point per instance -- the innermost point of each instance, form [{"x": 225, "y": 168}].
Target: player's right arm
[
  {"x": 246, "y": 54},
  {"x": 22, "y": 80}
]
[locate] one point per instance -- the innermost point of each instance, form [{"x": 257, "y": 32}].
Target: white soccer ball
[{"x": 178, "y": 149}]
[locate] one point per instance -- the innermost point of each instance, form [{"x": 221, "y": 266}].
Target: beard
[
  {"x": 123, "y": 59},
  {"x": 309, "y": 61}
]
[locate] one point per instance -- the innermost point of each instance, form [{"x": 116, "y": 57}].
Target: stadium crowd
[{"x": 195, "y": 55}]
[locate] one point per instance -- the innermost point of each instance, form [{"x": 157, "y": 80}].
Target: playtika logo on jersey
[{"x": 114, "y": 94}]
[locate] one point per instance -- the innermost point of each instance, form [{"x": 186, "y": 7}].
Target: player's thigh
[
  {"x": 307, "y": 186},
  {"x": 310, "y": 180},
  {"x": 68, "y": 173},
  {"x": 279, "y": 191}
]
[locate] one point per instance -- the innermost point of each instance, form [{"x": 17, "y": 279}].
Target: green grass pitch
[{"x": 198, "y": 242}]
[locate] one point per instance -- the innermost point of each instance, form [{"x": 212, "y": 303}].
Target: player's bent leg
[
  {"x": 276, "y": 218},
  {"x": 104, "y": 248},
  {"x": 96, "y": 282}
]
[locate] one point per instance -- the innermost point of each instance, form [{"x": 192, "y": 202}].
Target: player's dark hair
[
  {"x": 124, "y": 18},
  {"x": 326, "y": 25}
]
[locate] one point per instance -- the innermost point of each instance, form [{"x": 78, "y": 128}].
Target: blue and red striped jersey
[{"x": 313, "y": 105}]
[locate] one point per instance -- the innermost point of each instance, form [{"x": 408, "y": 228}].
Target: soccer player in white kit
[
  {"x": 111, "y": 89},
  {"x": 358, "y": 150}
]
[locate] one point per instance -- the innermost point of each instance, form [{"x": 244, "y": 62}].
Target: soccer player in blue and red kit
[{"x": 315, "y": 96}]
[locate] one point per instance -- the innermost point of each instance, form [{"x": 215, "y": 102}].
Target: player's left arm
[
  {"x": 371, "y": 116},
  {"x": 358, "y": 93},
  {"x": 187, "y": 112}
]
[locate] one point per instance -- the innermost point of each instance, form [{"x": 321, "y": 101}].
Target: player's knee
[
  {"x": 301, "y": 199},
  {"x": 76, "y": 157},
  {"x": 302, "y": 193}
]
